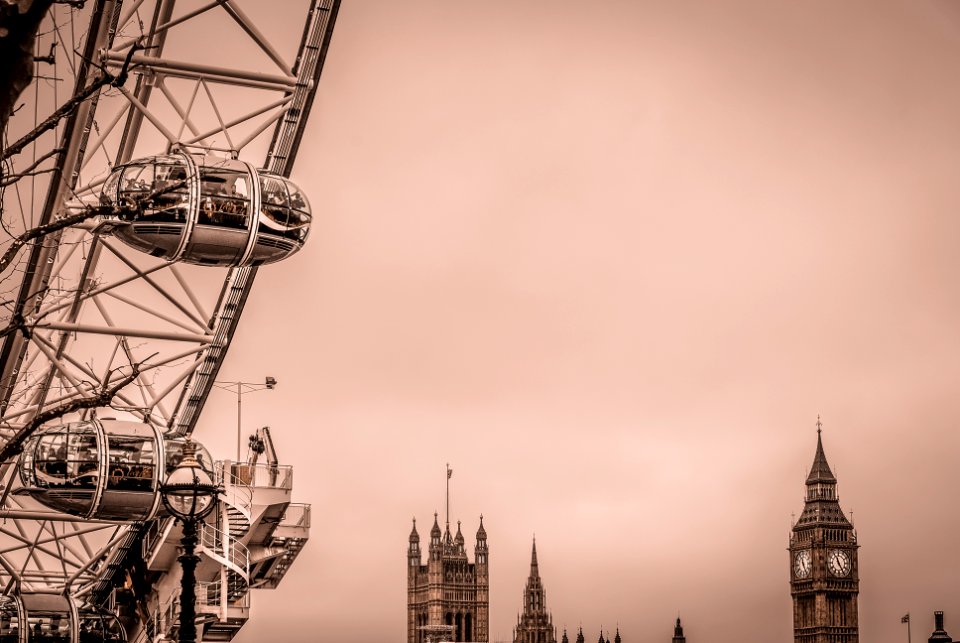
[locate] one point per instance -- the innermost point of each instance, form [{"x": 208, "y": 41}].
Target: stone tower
[
  {"x": 824, "y": 576},
  {"x": 535, "y": 624},
  {"x": 448, "y": 598},
  {"x": 678, "y": 636}
]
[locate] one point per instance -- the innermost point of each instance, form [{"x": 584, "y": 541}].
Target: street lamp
[
  {"x": 269, "y": 383},
  {"x": 189, "y": 495}
]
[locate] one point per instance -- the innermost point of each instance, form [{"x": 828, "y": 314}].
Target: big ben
[{"x": 824, "y": 575}]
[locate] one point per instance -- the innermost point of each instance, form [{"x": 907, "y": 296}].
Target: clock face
[
  {"x": 838, "y": 562},
  {"x": 802, "y": 564}
]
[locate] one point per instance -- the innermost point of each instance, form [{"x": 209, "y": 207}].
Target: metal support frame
[{"x": 144, "y": 306}]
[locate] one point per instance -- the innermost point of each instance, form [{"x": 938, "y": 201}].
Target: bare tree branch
[
  {"x": 89, "y": 212},
  {"x": 15, "y": 444},
  {"x": 28, "y": 171},
  {"x": 105, "y": 78}
]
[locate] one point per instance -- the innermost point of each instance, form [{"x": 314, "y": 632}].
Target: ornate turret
[
  {"x": 413, "y": 551},
  {"x": 565, "y": 639},
  {"x": 580, "y": 638},
  {"x": 678, "y": 636},
  {"x": 535, "y": 624},
  {"x": 616, "y": 639},
  {"x": 458, "y": 541},
  {"x": 939, "y": 634},
  {"x": 435, "y": 537}
]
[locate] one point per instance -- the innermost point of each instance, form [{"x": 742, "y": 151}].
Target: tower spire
[
  {"x": 534, "y": 567},
  {"x": 820, "y": 471}
]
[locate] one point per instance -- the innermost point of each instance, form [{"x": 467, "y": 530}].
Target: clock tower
[{"x": 824, "y": 575}]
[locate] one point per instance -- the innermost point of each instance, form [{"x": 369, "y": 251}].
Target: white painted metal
[{"x": 175, "y": 322}]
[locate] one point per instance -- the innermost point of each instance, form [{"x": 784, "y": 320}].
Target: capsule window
[
  {"x": 299, "y": 213},
  {"x": 109, "y": 194},
  {"x": 49, "y": 626},
  {"x": 51, "y": 460},
  {"x": 284, "y": 211},
  {"x": 132, "y": 461},
  {"x": 224, "y": 198},
  {"x": 82, "y": 460},
  {"x": 166, "y": 199}
]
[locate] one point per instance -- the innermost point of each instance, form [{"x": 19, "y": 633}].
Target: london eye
[{"x": 175, "y": 179}]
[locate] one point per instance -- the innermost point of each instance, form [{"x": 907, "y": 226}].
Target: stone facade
[{"x": 448, "y": 599}]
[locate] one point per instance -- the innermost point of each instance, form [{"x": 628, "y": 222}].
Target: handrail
[
  {"x": 162, "y": 621},
  {"x": 238, "y": 555},
  {"x": 210, "y": 594},
  {"x": 265, "y": 475},
  {"x": 237, "y": 491},
  {"x": 153, "y": 536},
  {"x": 296, "y": 515}
]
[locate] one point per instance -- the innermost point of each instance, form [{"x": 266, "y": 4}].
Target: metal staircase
[{"x": 250, "y": 543}]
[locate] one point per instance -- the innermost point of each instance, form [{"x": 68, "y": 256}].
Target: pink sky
[{"x": 610, "y": 260}]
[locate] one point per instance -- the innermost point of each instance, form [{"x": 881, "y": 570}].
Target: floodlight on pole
[{"x": 269, "y": 383}]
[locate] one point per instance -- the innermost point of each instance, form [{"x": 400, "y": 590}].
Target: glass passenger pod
[
  {"x": 37, "y": 617},
  {"x": 104, "y": 469},
  {"x": 206, "y": 210}
]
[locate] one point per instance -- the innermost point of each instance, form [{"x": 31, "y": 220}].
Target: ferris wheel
[{"x": 174, "y": 178}]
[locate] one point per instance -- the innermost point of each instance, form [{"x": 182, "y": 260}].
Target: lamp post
[
  {"x": 269, "y": 383},
  {"x": 189, "y": 495}
]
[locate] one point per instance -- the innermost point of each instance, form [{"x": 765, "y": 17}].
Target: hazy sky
[{"x": 610, "y": 260}]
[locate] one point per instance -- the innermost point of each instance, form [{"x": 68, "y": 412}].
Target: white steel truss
[{"x": 81, "y": 309}]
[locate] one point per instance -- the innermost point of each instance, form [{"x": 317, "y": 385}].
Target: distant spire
[
  {"x": 820, "y": 471},
  {"x": 481, "y": 532},
  {"x": 414, "y": 536},
  {"x": 534, "y": 567},
  {"x": 616, "y": 639},
  {"x": 678, "y": 636},
  {"x": 580, "y": 635},
  {"x": 565, "y": 638}
]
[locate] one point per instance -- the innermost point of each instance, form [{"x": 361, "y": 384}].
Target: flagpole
[{"x": 448, "y": 495}]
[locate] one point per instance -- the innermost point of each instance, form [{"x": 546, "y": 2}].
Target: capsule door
[
  {"x": 153, "y": 198},
  {"x": 133, "y": 470},
  {"x": 223, "y": 218}
]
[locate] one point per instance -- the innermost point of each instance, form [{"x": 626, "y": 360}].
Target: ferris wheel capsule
[
  {"x": 206, "y": 210},
  {"x": 102, "y": 469},
  {"x": 32, "y": 617}
]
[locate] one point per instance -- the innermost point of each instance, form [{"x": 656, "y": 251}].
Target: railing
[
  {"x": 211, "y": 595},
  {"x": 153, "y": 537},
  {"x": 264, "y": 475},
  {"x": 297, "y": 515},
  {"x": 162, "y": 621},
  {"x": 235, "y": 485},
  {"x": 238, "y": 555}
]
